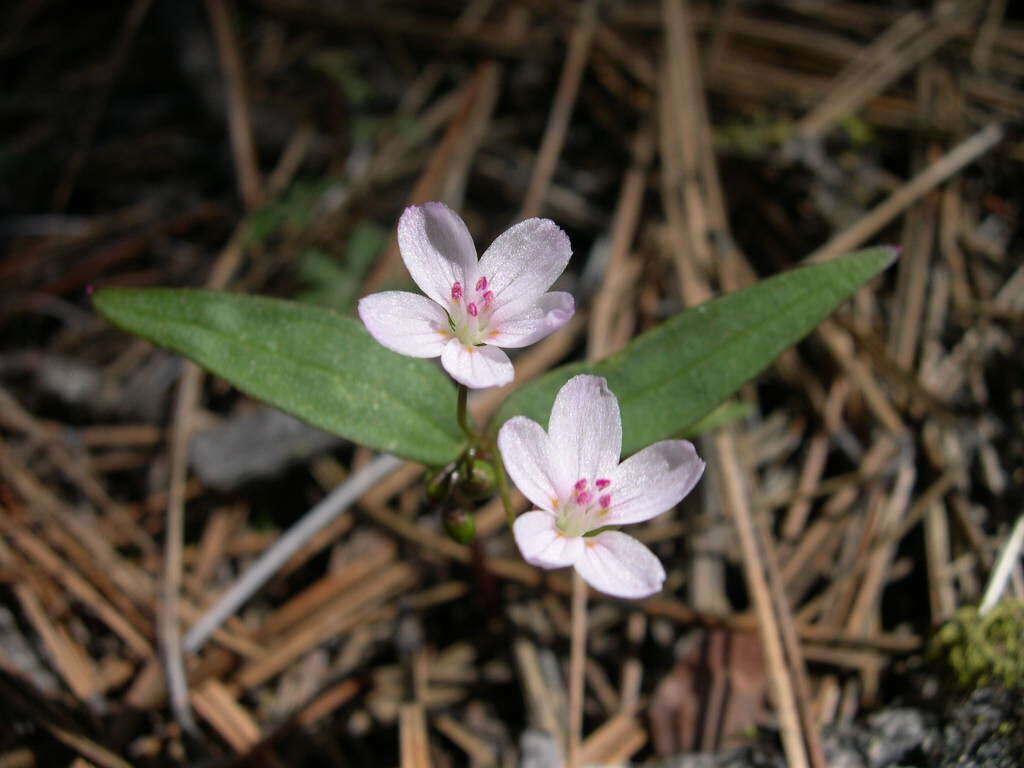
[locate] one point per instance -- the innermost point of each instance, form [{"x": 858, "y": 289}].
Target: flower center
[
  {"x": 469, "y": 314},
  {"x": 588, "y": 505}
]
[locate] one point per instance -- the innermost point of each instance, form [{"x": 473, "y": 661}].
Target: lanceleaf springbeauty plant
[{"x": 376, "y": 385}]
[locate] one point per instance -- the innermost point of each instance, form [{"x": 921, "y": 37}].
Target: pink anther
[
  {"x": 605, "y": 501},
  {"x": 481, "y": 284},
  {"x": 580, "y": 484},
  {"x": 603, "y": 483},
  {"x": 456, "y": 290},
  {"x": 471, "y": 308},
  {"x": 488, "y": 298},
  {"x": 584, "y": 498}
]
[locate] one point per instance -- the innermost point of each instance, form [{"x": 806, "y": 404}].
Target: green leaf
[
  {"x": 671, "y": 376},
  {"x": 308, "y": 361},
  {"x": 726, "y": 413}
]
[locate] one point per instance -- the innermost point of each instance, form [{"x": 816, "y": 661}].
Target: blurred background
[{"x": 689, "y": 149}]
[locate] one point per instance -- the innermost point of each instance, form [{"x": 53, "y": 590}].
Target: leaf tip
[
  {"x": 879, "y": 257},
  {"x": 100, "y": 299},
  {"x": 105, "y": 302},
  {"x": 895, "y": 251}
]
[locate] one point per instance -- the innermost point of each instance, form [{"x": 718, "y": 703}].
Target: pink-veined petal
[
  {"x": 542, "y": 544},
  {"x": 652, "y": 481},
  {"x": 407, "y": 323},
  {"x": 477, "y": 367},
  {"x": 619, "y": 565},
  {"x": 585, "y": 431},
  {"x": 523, "y": 261},
  {"x": 518, "y": 325},
  {"x": 437, "y": 250},
  {"x": 524, "y": 450}
]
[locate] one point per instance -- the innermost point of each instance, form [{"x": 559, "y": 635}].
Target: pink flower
[
  {"x": 471, "y": 308},
  {"x": 572, "y": 473}
]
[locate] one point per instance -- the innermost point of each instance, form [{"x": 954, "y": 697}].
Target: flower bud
[
  {"x": 459, "y": 525},
  {"x": 479, "y": 484},
  {"x": 439, "y": 485}
]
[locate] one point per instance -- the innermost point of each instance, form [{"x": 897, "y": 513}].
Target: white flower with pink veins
[
  {"x": 573, "y": 475},
  {"x": 471, "y": 309}
]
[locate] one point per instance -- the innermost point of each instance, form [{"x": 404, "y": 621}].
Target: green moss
[
  {"x": 987, "y": 650},
  {"x": 752, "y": 138},
  {"x": 859, "y": 132}
]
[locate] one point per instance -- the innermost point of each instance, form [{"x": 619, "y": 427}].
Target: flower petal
[
  {"x": 585, "y": 431},
  {"x": 542, "y": 544},
  {"x": 519, "y": 325},
  {"x": 407, "y": 323},
  {"x": 524, "y": 450},
  {"x": 437, "y": 249},
  {"x": 619, "y": 565},
  {"x": 477, "y": 367},
  {"x": 525, "y": 260},
  {"x": 653, "y": 481}
]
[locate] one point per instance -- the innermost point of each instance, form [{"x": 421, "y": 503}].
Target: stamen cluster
[
  {"x": 583, "y": 513},
  {"x": 469, "y": 321}
]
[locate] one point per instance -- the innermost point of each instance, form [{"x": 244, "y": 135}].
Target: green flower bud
[
  {"x": 460, "y": 525},
  {"x": 439, "y": 485},
  {"x": 480, "y": 484}
]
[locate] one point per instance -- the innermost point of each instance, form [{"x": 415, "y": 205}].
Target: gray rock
[
  {"x": 893, "y": 734},
  {"x": 696, "y": 760},
  {"x": 23, "y": 656},
  {"x": 984, "y": 731},
  {"x": 538, "y": 749},
  {"x": 257, "y": 443}
]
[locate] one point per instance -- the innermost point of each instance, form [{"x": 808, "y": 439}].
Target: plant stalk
[
  {"x": 502, "y": 480},
  {"x": 464, "y": 424},
  {"x": 577, "y": 661}
]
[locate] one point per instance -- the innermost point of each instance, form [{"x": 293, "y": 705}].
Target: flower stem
[
  {"x": 577, "y": 662},
  {"x": 502, "y": 480},
  {"x": 463, "y": 413},
  {"x": 483, "y": 443}
]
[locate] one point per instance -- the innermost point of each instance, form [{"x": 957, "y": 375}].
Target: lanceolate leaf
[
  {"x": 313, "y": 363},
  {"x": 671, "y": 376}
]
